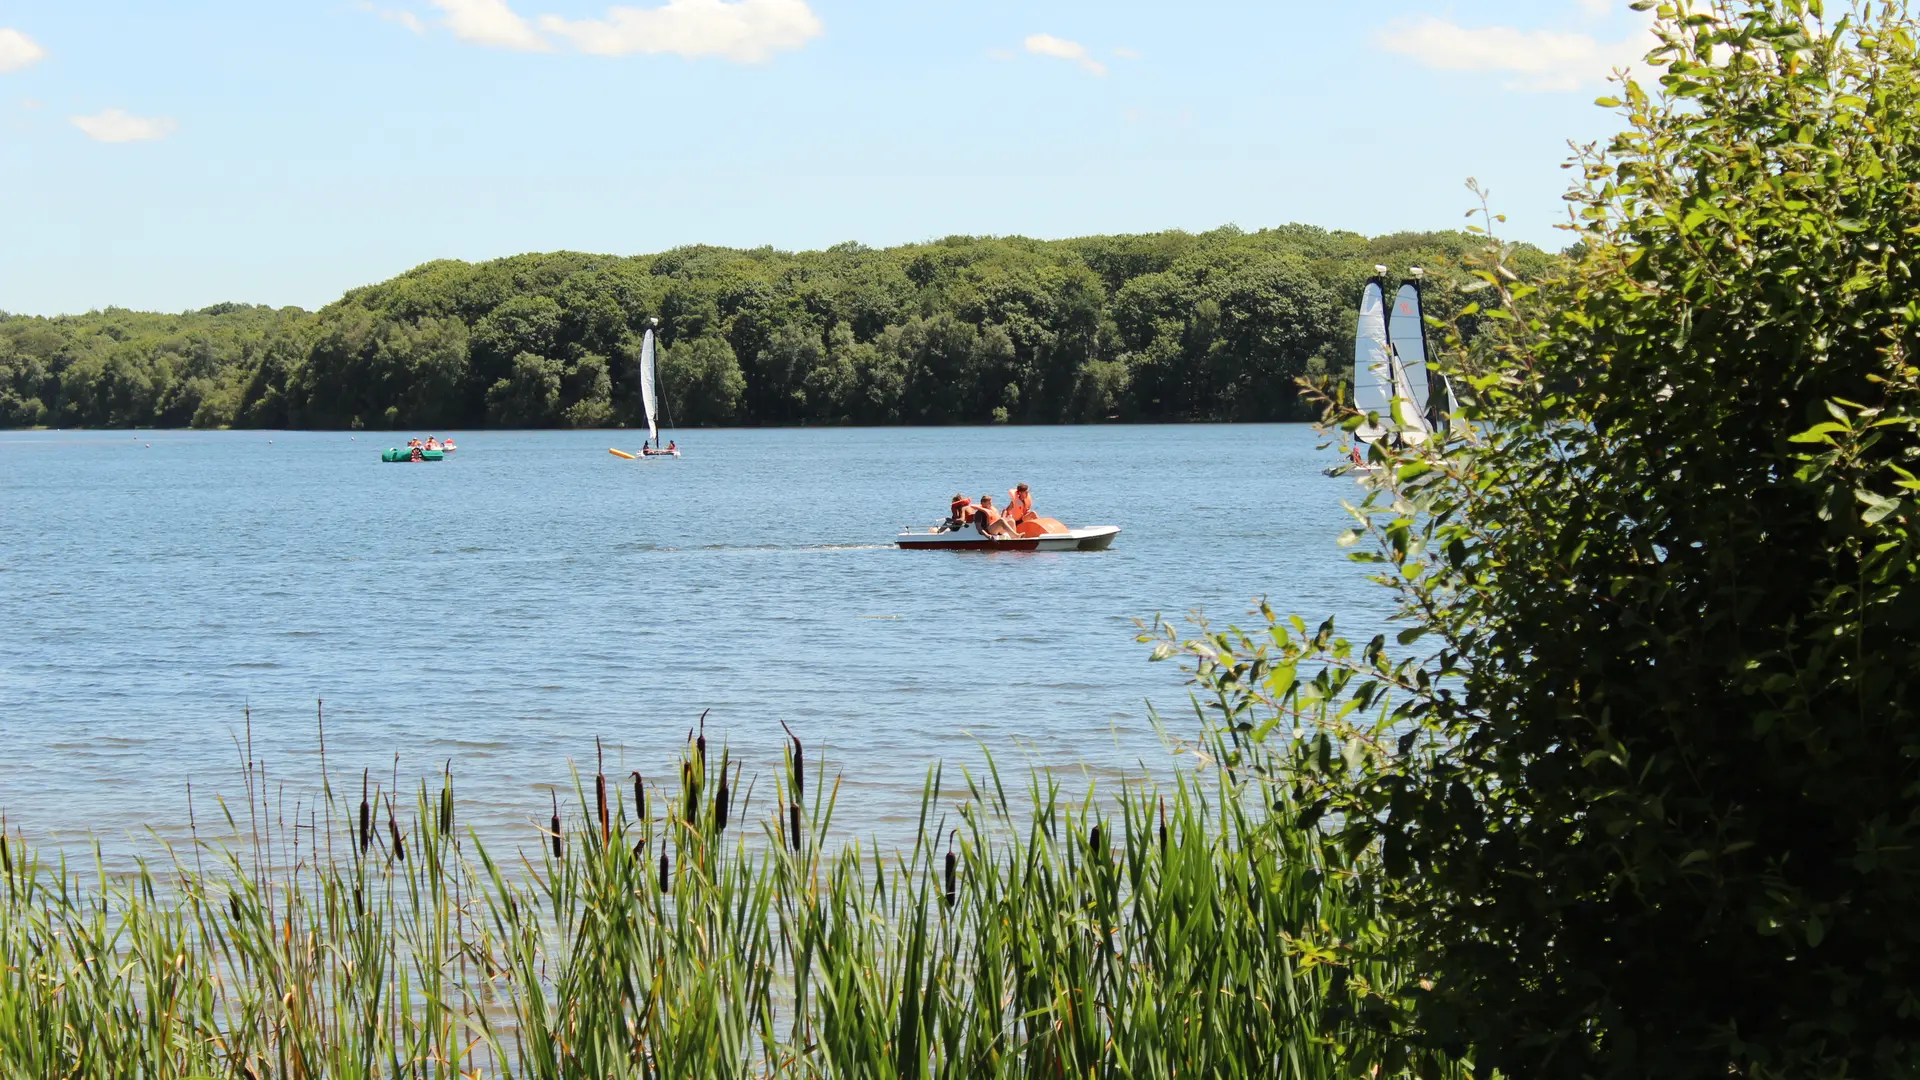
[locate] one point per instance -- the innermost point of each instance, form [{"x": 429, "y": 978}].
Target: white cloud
[
  {"x": 1537, "y": 59},
  {"x": 1125, "y": 53},
  {"x": 745, "y": 31},
  {"x": 490, "y": 22},
  {"x": 17, "y": 50},
  {"x": 119, "y": 126},
  {"x": 1596, "y": 8},
  {"x": 1062, "y": 49},
  {"x": 395, "y": 15}
]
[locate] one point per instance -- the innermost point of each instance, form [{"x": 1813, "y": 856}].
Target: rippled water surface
[{"x": 504, "y": 607}]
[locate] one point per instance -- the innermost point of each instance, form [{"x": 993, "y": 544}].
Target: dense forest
[{"x": 1168, "y": 326}]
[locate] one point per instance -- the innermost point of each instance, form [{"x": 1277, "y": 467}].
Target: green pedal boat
[{"x": 402, "y": 454}]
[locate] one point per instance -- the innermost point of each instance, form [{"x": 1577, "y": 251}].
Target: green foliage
[
  {"x": 1156, "y": 932},
  {"x": 1643, "y": 766},
  {"x": 1165, "y": 327}
]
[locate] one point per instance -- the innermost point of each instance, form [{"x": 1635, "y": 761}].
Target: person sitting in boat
[
  {"x": 1353, "y": 453},
  {"x": 672, "y": 447},
  {"x": 959, "y": 514},
  {"x": 1019, "y": 505},
  {"x": 989, "y": 521},
  {"x": 432, "y": 443}
]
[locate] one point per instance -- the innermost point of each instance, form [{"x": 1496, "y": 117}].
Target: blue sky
[{"x": 172, "y": 155}]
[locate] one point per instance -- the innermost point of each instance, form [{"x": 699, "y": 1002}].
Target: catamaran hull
[{"x": 1098, "y": 538}]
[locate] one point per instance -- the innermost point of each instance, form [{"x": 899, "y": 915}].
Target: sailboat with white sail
[
  {"x": 1431, "y": 391},
  {"x": 650, "y": 404},
  {"x": 1384, "y": 392}
]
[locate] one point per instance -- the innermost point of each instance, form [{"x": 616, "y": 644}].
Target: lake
[{"x": 501, "y": 609}]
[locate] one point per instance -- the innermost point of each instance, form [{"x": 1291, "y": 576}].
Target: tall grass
[{"x": 711, "y": 926}]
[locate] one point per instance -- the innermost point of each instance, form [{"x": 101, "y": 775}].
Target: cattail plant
[
  {"x": 393, "y": 826},
  {"x": 559, "y": 847},
  {"x": 366, "y": 815},
  {"x": 600, "y": 792}
]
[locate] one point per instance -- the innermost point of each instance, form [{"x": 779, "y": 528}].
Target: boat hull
[
  {"x": 1098, "y": 538},
  {"x": 398, "y": 454}
]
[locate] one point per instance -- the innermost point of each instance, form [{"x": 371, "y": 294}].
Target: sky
[{"x": 170, "y": 155}]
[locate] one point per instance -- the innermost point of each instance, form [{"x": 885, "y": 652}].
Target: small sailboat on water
[
  {"x": 1390, "y": 377},
  {"x": 649, "y": 400},
  {"x": 650, "y": 403}
]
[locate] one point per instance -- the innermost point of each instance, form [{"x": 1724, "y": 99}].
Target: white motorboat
[{"x": 968, "y": 538}]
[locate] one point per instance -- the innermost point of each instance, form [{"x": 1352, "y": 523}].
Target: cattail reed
[
  {"x": 953, "y": 871},
  {"x": 798, "y": 765},
  {"x": 793, "y": 816},
  {"x": 1095, "y": 847},
  {"x": 366, "y": 815},
  {"x": 665, "y": 866},
  {"x": 559, "y": 850},
  {"x": 600, "y": 792},
  {"x": 446, "y": 800},
  {"x": 393, "y": 826},
  {"x": 720, "y": 801},
  {"x": 1163, "y": 824},
  {"x": 701, "y": 743}
]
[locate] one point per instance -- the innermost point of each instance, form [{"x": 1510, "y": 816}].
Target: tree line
[{"x": 1160, "y": 327}]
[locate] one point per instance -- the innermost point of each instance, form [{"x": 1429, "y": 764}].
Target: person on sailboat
[{"x": 672, "y": 447}]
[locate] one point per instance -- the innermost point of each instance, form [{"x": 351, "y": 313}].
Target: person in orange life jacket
[
  {"x": 989, "y": 521},
  {"x": 959, "y": 514},
  {"x": 1019, "y": 505}
]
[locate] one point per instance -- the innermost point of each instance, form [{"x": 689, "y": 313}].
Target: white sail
[
  {"x": 646, "y": 388},
  {"x": 1406, "y": 414},
  {"x": 1406, "y": 330},
  {"x": 1372, "y": 370}
]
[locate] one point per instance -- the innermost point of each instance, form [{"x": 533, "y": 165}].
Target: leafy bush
[{"x": 1651, "y": 807}]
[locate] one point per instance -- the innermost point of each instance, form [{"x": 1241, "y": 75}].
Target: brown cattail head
[
  {"x": 953, "y": 873},
  {"x": 600, "y": 791},
  {"x": 1094, "y": 839},
  {"x": 446, "y": 801},
  {"x": 1163, "y": 824},
  {"x": 559, "y": 851},
  {"x": 793, "y": 814},
  {"x": 664, "y": 865},
  {"x": 690, "y": 780},
  {"x": 720, "y": 802},
  {"x": 366, "y": 815},
  {"x": 393, "y": 826},
  {"x": 639, "y": 798},
  {"x": 701, "y": 742}
]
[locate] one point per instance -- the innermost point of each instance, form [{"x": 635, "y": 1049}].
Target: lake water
[{"x": 504, "y": 607}]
